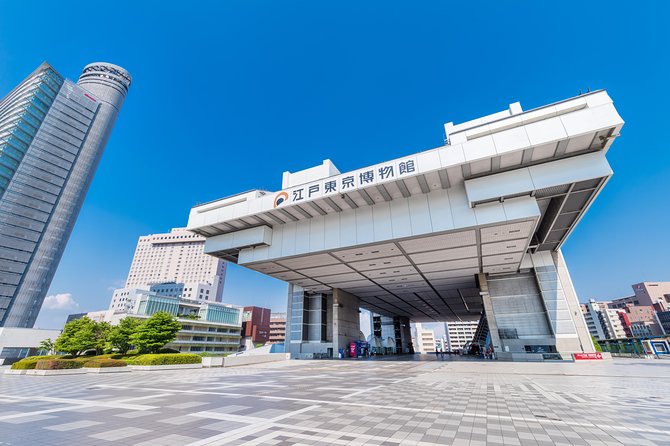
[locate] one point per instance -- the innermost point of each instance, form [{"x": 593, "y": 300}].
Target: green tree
[
  {"x": 119, "y": 335},
  {"x": 101, "y": 332},
  {"x": 595, "y": 344},
  {"x": 78, "y": 336},
  {"x": 155, "y": 332},
  {"x": 48, "y": 344}
]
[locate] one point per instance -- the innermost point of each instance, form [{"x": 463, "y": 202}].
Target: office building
[
  {"x": 17, "y": 343},
  {"x": 459, "y": 333},
  {"x": 425, "y": 339},
  {"x": 277, "y": 328},
  {"x": 177, "y": 257},
  {"x": 206, "y": 326},
  {"x": 52, "y": 135},
  {"x": 641, "y": 320},
  {"x": 602, "y": 321},
  {"x": 647, "y": 294},
  {"x": 256, "y": 324},
  {"x": 470, "y": 229}
]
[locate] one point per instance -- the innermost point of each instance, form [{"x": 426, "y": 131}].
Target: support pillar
[{"x": 346, "y": 319}]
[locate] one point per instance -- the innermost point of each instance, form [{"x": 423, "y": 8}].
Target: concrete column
[
  {"x": 346, "y": 319},
  {"x": 586, "y": 343},
  {"x": 490, "y": 314}
]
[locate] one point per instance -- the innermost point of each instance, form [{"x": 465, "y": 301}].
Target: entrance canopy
[{"x": 408, "y": 236}]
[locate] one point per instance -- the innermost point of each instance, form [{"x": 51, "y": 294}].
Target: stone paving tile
[{"x": 369, "y": 403}]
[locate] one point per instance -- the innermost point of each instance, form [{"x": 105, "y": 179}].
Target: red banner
[{"x": 580, "y": 356}]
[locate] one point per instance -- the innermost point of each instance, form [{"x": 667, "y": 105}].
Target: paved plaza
[{"x": 350, "y": 402}]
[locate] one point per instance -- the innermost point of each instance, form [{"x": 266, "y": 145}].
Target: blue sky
[{"x": 228, "y": 95}]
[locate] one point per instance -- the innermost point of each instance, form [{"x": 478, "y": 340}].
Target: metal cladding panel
[
  {"x": 340, "y": 230},
  {"x": 529, "y": 179},
  {"x": 260, "y": 235}
]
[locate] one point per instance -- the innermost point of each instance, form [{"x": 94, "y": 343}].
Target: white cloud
[{"x": 62, "y": 301}]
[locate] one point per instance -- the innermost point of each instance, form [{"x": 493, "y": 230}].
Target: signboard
[
  {"x": 377, "y": 174},
  {"x": 586, "y": 356}
]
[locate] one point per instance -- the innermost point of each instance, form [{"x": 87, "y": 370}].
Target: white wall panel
[
  {"x": 332, "y": 231},
  {"x": 440, "y": 210},
  {"x": 460, "y": 208},
  {"x": 347, "y": 228},
  {"x": 317, "y": 236},
  {"x": 400, "y": 220},
  {"x": 419, "y": 214},
  {"x": 365, "y": 229},
  {"x": 302, "y": 236},
  {"x": 381, "y": 214},
  {"x": 288, "y": 240}
]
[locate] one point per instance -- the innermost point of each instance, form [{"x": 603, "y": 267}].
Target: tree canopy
[
  {"x": 155, "y": 332},
  {"x": 78, "y": 336},
  {"x": 119, "y": 335}
]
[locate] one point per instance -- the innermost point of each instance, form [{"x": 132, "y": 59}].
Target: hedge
[
  {"x": 98, "y": 363},
  {"x": 30, "y": 362},
  {"x": 58, "y": 364},
  {"x": 165, "y": 359},
  {"x": 110, "y": 356}
]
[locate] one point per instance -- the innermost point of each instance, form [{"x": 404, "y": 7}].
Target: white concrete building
[
  {"x": 17, "y": 343},
  {"x": 206, "y": 326},
  {"x": 474, "y": 227},
  {"x": 178, "y": 257},
  {"x": 424, "y": 341},
  {"x": 603, "y": 322},
  {"x": 459, "y": 333}
]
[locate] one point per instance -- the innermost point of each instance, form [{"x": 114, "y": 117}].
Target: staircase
[{"x": 481, "y": 336}]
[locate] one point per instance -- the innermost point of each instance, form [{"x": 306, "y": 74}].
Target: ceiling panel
[
  {"x": 399, "y": 279},
  {"x": 326, "y": 270},
  {"x": 307, "y": 261},
  {"x": 506, "y": 232},
  {"x": 448, "y": 266},
  {"x": 388, "y": 262},
  {"x": 504, "y": 247},
  {"x": 467, "y": 273},
  {"x": 386, "y": 272},
  {"x": 339, "y": 278},
  {"x": 367, "y": 252},
  {"x": 445, "y": 254},
  {"x": 287, "y": 276},
  {"x": 268, "y": 268},
  {"x": 502, "y": 259},
  {"x": 445, "y": 241}
]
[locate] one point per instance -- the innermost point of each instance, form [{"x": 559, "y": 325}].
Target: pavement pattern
[{"x": 352, "y": 402}]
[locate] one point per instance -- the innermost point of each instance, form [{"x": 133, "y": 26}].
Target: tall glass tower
[{"x": 52, "y": 135}]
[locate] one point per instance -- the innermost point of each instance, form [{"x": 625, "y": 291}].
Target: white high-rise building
[
  {"x": 424, "y": 342},
  {"x": 177, "y": 257},
  {"x": 459, "y": 333}
]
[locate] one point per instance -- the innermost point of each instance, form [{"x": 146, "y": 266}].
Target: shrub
[
  {"x": 165, "y": 359},
  {"x": 58, "y": 364},
  {"x": 110, "y": 356},
  {"x": 98, "y": 363},
  {"x": 165, "y": 350},
  {"x": 30, "y": 362}
]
